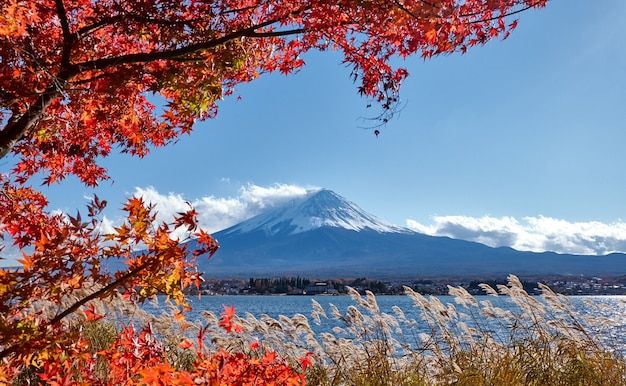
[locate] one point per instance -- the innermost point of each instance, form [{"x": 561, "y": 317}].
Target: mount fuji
[
  {"x": 319, "y": 208},
  {"x": 324, "y": 235}
]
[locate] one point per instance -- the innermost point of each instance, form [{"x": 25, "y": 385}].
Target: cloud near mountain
[
  {"x": 535, "y": 234},
  {"x": 217, "y": 213}
]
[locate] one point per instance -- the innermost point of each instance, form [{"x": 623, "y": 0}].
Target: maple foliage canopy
[
  {"x": 75, "y": 74},
  {"x": 76, "y": 77}
]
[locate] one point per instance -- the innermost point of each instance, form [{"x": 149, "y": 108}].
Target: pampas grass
[{"x": 525, "y": 340}]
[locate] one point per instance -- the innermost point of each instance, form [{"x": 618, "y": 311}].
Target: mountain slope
[
  {"x": 324, "y": 235},
  {"x": 320, "y": 208}
]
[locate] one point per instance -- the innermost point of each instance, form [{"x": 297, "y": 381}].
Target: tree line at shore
[{"x": 566, "y": 285}]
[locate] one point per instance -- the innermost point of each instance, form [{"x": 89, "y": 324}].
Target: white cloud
[
  {"x": 262, "y": 197},
  {"x": 217, "y": 213},
  {"x": 537, "y": 234}
]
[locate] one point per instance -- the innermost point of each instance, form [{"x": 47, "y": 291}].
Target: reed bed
[{"x": 531, "y": 341}]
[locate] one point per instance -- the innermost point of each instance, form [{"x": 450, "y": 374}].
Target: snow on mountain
[{"x": 319, "y": 208}]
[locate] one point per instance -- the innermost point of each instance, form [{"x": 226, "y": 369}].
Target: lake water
[{"x": 613, "y": 308}]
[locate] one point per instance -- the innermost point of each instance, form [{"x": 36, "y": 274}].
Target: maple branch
[
  {"x": 402, "y": 7},
  {"x": 144, "y": 57},
  {"x": 101, "y": 292},
  {"x": 277, "y": 33},
  {"x": 533, "y": 5},
  {"x": 86, "y": 30},
  {"x": 134, "y": 17},
  {"x": 399, "y": 4},
  {"x": 68, "y": 37},
  {"x": 81, "y": 302},
  {"x": 65, "y": 26},
  {"x": 18, "y": 126}
]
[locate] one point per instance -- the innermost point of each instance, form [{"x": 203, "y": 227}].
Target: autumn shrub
[{"x": 121, "y": 344}]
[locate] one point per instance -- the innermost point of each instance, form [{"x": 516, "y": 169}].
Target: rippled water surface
[{"x": 613, "y": 308}]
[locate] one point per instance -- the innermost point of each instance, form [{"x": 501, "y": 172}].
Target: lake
[{"x": 612, "y": 329}]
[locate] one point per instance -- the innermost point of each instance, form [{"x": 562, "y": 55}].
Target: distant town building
[{"x": 320, "y": 288}]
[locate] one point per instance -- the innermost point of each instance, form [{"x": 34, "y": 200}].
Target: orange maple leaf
[
  {"x": 228, "y": 312},
  {"x": 90, "y": 313},
  {"x": 431, "y": 35}
]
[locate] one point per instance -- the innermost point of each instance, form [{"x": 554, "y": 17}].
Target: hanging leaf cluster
[{"x": 76, "y": 75}]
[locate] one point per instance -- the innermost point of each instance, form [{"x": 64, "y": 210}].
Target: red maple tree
[{"x": 75, "y": 77}]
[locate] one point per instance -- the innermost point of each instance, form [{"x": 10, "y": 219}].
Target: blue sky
[{"x": 520, "y": 142}]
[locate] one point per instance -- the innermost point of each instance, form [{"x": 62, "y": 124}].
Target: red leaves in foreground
[
  {"x": 67, "y": 269},
  {"x": 91, "y": 315},
  {"x": 227, "y": 322},
  {"x": 138, "y": 358}
]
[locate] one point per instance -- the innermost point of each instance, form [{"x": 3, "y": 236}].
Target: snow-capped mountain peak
[
  {"x": 319, "y": 208},
  {"x": 323, "y": 235}
]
